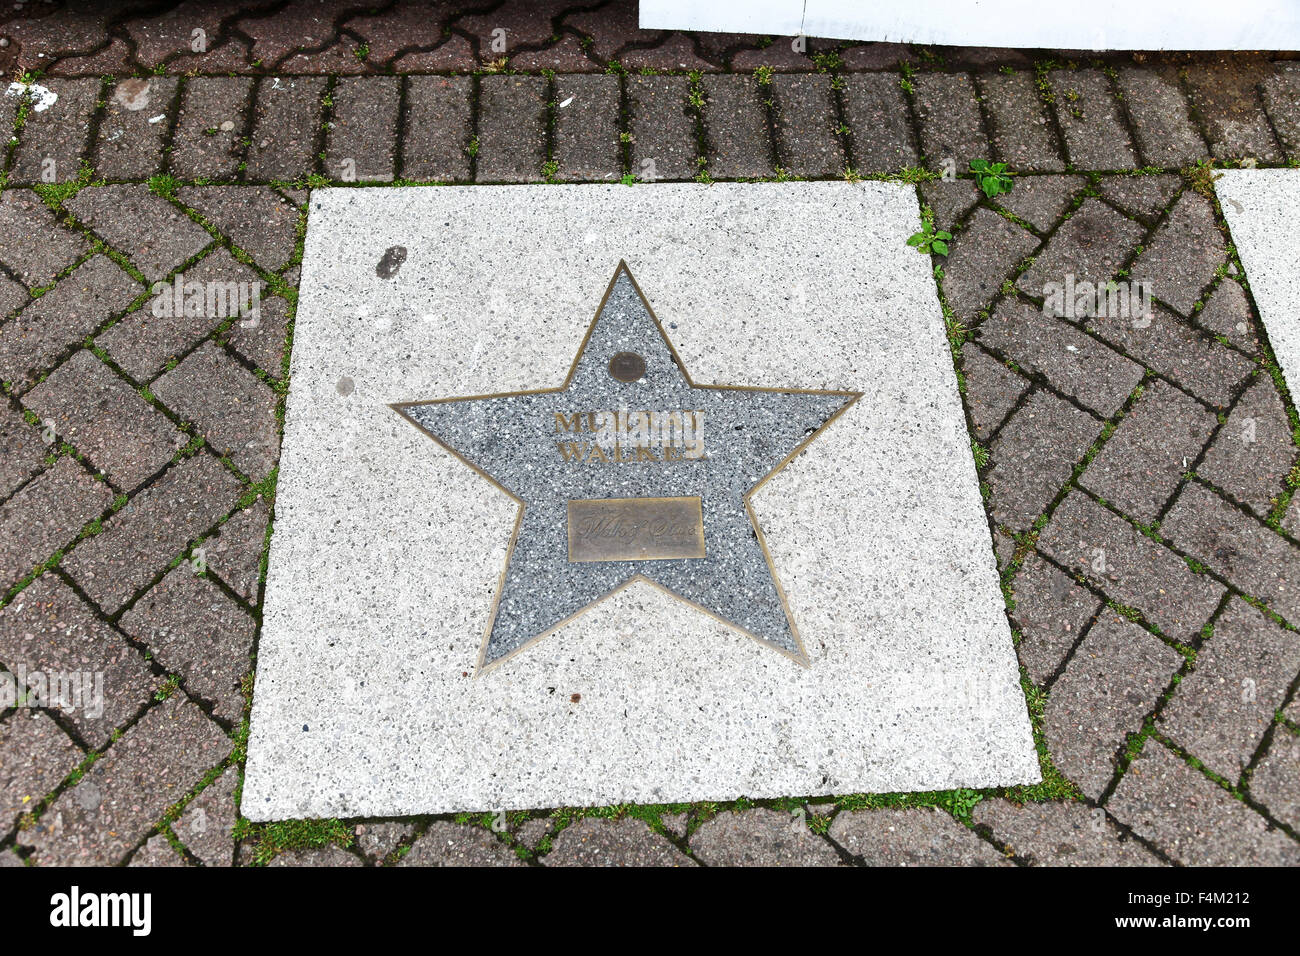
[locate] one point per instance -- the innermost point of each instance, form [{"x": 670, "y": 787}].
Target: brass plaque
[{"x": 635, "y": 529}]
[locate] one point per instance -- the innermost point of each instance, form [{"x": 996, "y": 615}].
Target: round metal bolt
[{"x": 627, "y": 367}]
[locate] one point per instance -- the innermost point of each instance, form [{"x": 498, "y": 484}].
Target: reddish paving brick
[
  {"x": 1276, "y": 780},
  {"x": 760, "y": 837},
  {"x": 1227, "y": 313},
  {"x": 22, "y": 450},
  {"x": 1077, "y": 364},
  {"x": 1144, "y": 197},
  {"x": 1034, "y": 455},
  {"x": 32, "y": 243},
  {"x": 192, "y": 629},
  {"x": 213, "y": 120},
  {"x": 594, "y": 841},
  {"x": 1108, "y": 688},
  {"x": 48, "y": 629},
  {"x": 1281, "y": 93},
  {"x": 914, "y": 837},
  {"x": 735, "y": 128},
  {"x": 1227, "y": 98},
  {"x": 232, "y": 408},
  {"x": 451, "y": 844},
  {"x": 952, "y": 129},
  {"x": 43, "y": 332},
  {"x": 157, "y": 851},
  {"x": 1192, "y": 819},
  {"x": 256, "y": 219},
  {"x": 156, "y": 526},
  {"x": 127, "y": 790},
  {"x": 1022, "y": 136},
  {"x": 1087, "y": 539},
  {"x": 806, "y": 138},
  {"x": 45, "y": 515},
  {"x": 435, "y": 144},
  {"x": 1182, "y": 256},
  {"x": 1165, "y": 133},
  {"x": 1051, "y": 612},
  {"x": 1060, "y": 834},
  {"x": 407, "y": 24},
  {"x": 949, "y": 201},
  {"x": 35, "y": 756},
  {"x": 54, "y": 140},
  {"x": 511, "y": 129},
  {"x": 234, "y": 554},
  {"x": 262, "y": 340},
  {"x": 134, "y": 126},
  {"x": 992, "y": 389},
  {"x": 105, "y": 419},
  {"x": 661, "y": 127},
  {"x": 586, "y": 128},
  {"x": 1141, "y": 464},
  {"x": 1089, "y": 114},
  {"x": 981, "y": 257},
  {"x": 1249, "y": 554},
  {"x": 1254, "y": 451},
  {"x": 361, "y": 145},
  {"x": 1222, "y": 709},
  {"x": 876, "y": 113},
  {"x": 1091, "y": 245},
  {"x": 1040, "y": 200},
  {"x": 286, "y": 128},
  {"x": 206, "y": 827},
  {"x": 150, "y": 231}
]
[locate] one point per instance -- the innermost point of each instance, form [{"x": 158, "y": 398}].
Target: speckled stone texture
[{"x": 387, "y": 550}]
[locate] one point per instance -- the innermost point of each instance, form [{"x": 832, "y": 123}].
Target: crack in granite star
[{"x": 748, "y": 434}]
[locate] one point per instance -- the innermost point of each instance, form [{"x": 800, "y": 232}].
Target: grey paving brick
[
  {"x": 1061, "y": 834},
  {"x": 1165, "y": 133},
  {"x": 594, "y": 841},
  {"x": 232, "y": 408},
  {"x": 378, "y": 840},
  {"x": 127, "y": 790},
  {"x": 48, "y": 629},
  {"x": 1051, "y": 612},
  {"x": 1174, "y": 347},
  {"x": 735, "y": 128},
  {"x": 12, "y": 295},
  {"x": 207, "y": 824},
  {"x": 145, "y": 340},
  {"x": 143, "y": 226},
  {"x": 1226, "y": 97},
  {"x": 256, "y": 219},
  {"x": 1040, "y": 200},
  {"x": 876, "y": 113},
  {"x": 1192, "y": 819},
  {"x": 83, "y": 301},
  {"x": 45, "y": 515},
  {"x": 35, "y": 755},
  {"x": 157, "y": 851},
  {"x": 1142, "y": 196},
  {"x": 1254, "y": 451},
  {"x": 330, "y": 856},
  {"x": 1141, "y": 464},
  {"x": 194, "y": 630},
  {"x": 153, "y": 528},
  {"x": 1249, "y": 554},
  {"x": 511, "y": 129},
  {"x": 951, "y": 125},
  {"x": 286, "y": 127},
  {"x": 1276, "y": 780},
  {"x": 32, "y": 243},
  {"x": 133, "y": 130},
  {"x": 234, "y": 554},
  {"x": 1227, "y": 313},
  {"x": 361, "y": 144},
  {"x": 435, "y": 144},
  {"x": 1022, "y": 136},
  {"x": 1183, "y": 254},
  {"x": 1077, "y": 364},
  {"x": 451, "y": 844},
  {"x": 662, "y": 128},
  {"x": 1034, "y": 455},
  {"x": 1291, "y": 519},
  {"x": 917, "y": 837},
  {"x": 1109, "y": 687},
  {"x": 981, "y": 257},
  {"x": 1091, "y": 245},
  {"x": 211, "y": 126},
  {"x": 587, "y": 143},
  {"x": 1281, "y": 93},
  {"x": 22, "y": 450},
  {"x": 760, "y": 837},
  {"x": 1222, "y": 709},
  {"x": 806, "y": 122},
  {"x": 1131, "y": 568},
  {"x": 991, "y": 389},
  {"x": 54, "y": 141},
  {"x": 1089, "y": 114},
  {"x": 106, "y": 420},
  {"x": 262, "y": 341}
]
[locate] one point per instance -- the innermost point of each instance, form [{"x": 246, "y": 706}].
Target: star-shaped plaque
[{"x": 630, "y": 471}]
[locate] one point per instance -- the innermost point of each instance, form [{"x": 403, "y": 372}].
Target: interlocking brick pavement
[{"x": 1140, "y": 481}]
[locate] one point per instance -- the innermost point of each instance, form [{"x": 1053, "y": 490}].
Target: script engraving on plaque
[{"x": 635, "y": 529}]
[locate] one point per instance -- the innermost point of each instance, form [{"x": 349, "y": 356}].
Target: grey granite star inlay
[{"x": 574, "y": 456}]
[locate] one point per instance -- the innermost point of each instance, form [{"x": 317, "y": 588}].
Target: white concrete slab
[
  {"x": 1262, "y": 206},
  {"x": 387, "y": 550}
]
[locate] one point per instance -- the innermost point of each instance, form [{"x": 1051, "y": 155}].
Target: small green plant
[
  {"x": 992, "y": 178},
  {"x": 930, "y": 240}
]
